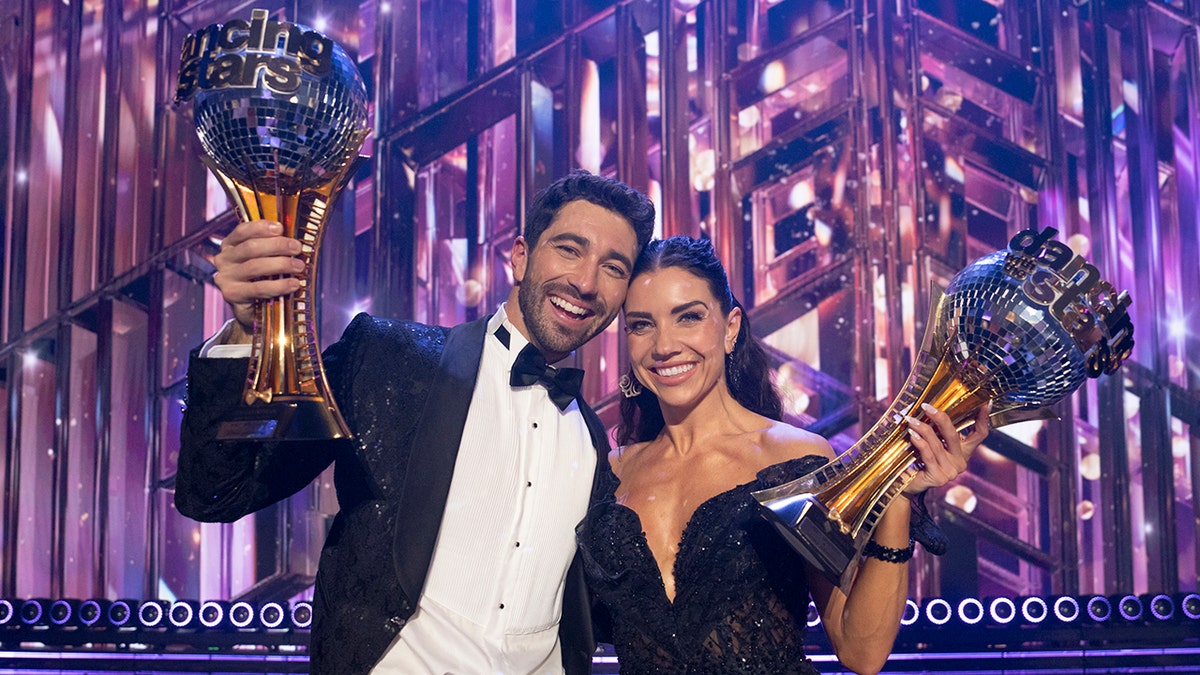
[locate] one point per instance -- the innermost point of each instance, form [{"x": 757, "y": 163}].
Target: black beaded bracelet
[{"x": 888, "y": 554}]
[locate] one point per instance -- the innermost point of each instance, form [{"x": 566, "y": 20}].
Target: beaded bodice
[{"x": 741, "y": 601}]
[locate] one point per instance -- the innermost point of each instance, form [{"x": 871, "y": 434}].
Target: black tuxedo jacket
[{"x": 404, "y": 389}]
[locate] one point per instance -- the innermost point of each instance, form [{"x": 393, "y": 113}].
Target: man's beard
[{"x": 546, "y": 333}]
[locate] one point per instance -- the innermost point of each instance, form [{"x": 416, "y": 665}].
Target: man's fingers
[
  {"x": 247, "y": 292},
  {"x": 252, "y": 229},
  {"x": 257, "y": 247}
]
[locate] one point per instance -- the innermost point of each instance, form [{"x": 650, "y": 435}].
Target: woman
[{"x": 694, "y": 579}]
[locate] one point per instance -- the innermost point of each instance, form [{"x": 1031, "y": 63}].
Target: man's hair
[{"x": 607, "y": 193}]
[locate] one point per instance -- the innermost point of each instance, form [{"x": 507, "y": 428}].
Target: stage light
[
  {"x": 1098, "y": 608},
  {"x": 241, "y": 614},
  {"x": 1129, "y": 607},
  {"x": 92, "y": 611},
  {"x": 8, "y": 613},
  {"x": 153, "y": 613},
  {"x": 184, "y": 614},
  {"x": 1002, "y": 610},
  {"x": 1066, "y": 609},
  {"x": 33, "y": 611},
  {"x": 970, "y": 611},
  {"x": 811, "y": 620},
  {"x": 1034, "y": 609},
  {"x": 213, "y": 613},
  {"x": 1189, "y": 605},
  {"x": 270, "y": 615},
  {"x": 120, "y": 613},
  {"x": 1161, "y": 606},
  {"x": 911, "y": 613},
  {"x": 938, "y": 611},
  {"x": 302, "y": 612},
  {"x": 64, "y": 612}
]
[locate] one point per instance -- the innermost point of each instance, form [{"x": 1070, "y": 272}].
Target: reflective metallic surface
[
  {"x": 281, "y": 138},
  {"x": 1010, "y": 329},
  {"x": 291, "y": 140}
]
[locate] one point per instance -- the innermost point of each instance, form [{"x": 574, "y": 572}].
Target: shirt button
[
  {"x": 528, "y": 483},
  {"x": 502, "y": 605},
  {"x": 535, "y": 425},
  {"x": 518, "y": 545}
]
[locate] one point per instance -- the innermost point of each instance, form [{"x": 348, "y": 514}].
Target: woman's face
[{"x": 678, "y": 337}]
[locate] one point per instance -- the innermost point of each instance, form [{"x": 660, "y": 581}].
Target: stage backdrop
[{"x": 843, "y": 156}]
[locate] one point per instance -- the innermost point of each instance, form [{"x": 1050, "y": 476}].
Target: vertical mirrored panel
[
  {"x": 90, "y": 176},
  {"x": 80, "y": 518},
  {"x": 444, "y": 55},
  {"x": 7, "y": 376},
  {"x": 46, "y": 144},
  {"x": 183, "y": 316},
  {"x": 441, "y": 222},
  {"x": 37, "y": 461},
  {"x": 127, "y": 522},
  {"x": 136, "y": 101}
]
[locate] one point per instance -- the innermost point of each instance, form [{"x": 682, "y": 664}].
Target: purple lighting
[
  {"x": 63, "y": 611},
  {"x": 1162, "y": 607},
  {"x": 1099, "y": 609},
  {"x": 120, "y": 612},
  {"x": 1190, "y": 606},
  {"x": 33, "y": 611},
  {"x": 1130, "y": 607}
]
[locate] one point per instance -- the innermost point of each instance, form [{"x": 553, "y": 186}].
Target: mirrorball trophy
[
  {"x": 281, "y": 112},
  {"x": 1022, "y": 328}
]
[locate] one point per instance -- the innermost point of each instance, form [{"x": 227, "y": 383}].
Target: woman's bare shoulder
[{"x": 785, "y": 441}]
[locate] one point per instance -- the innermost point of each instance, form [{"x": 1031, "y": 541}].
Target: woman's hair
[{"x": 747, "y": 371}]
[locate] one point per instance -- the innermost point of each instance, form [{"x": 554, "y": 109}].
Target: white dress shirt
[{"x": 493, "y": 596}]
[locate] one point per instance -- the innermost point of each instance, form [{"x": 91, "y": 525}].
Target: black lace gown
[{"x": 740, "y": 597}]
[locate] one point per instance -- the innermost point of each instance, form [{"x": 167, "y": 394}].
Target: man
[{"x": 454, "y": 549}]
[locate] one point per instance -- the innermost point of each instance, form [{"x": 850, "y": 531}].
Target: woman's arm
[{"x": 862, "y": 624}]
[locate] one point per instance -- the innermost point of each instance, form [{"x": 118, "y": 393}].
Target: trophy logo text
[
  {"x": 244, "y": 54},
  {"x": 1088, "y": 307}
]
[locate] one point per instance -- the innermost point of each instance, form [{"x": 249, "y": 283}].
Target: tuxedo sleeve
[{"x": 222, "y": 481}]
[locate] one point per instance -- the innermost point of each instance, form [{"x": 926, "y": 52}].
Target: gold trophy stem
[
  {"x": 829, "y": 515},
  {"x": 880, "y": 473},
  {"x": 285, "y": 364}
]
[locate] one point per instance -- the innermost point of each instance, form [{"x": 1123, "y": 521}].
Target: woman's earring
[{"x": 630, "y": 387}]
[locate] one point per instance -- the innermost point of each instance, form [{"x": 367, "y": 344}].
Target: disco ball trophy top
[
  {"x": 282, "y": 113},
  {"x": 1022, "y": 328}
]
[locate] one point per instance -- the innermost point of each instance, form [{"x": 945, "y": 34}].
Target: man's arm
[{"x": 224, "y": 480}]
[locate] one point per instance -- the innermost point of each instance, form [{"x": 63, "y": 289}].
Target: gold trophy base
[{"x": 285, "y": 418}]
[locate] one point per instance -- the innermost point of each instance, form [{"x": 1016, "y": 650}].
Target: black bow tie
[{"x": 562, "y": 383}]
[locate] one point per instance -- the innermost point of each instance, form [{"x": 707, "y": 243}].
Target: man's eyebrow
[{"x": 586, "y": 243}]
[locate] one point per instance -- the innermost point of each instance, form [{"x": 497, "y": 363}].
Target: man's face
[{"x": 572, "y": 283}]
